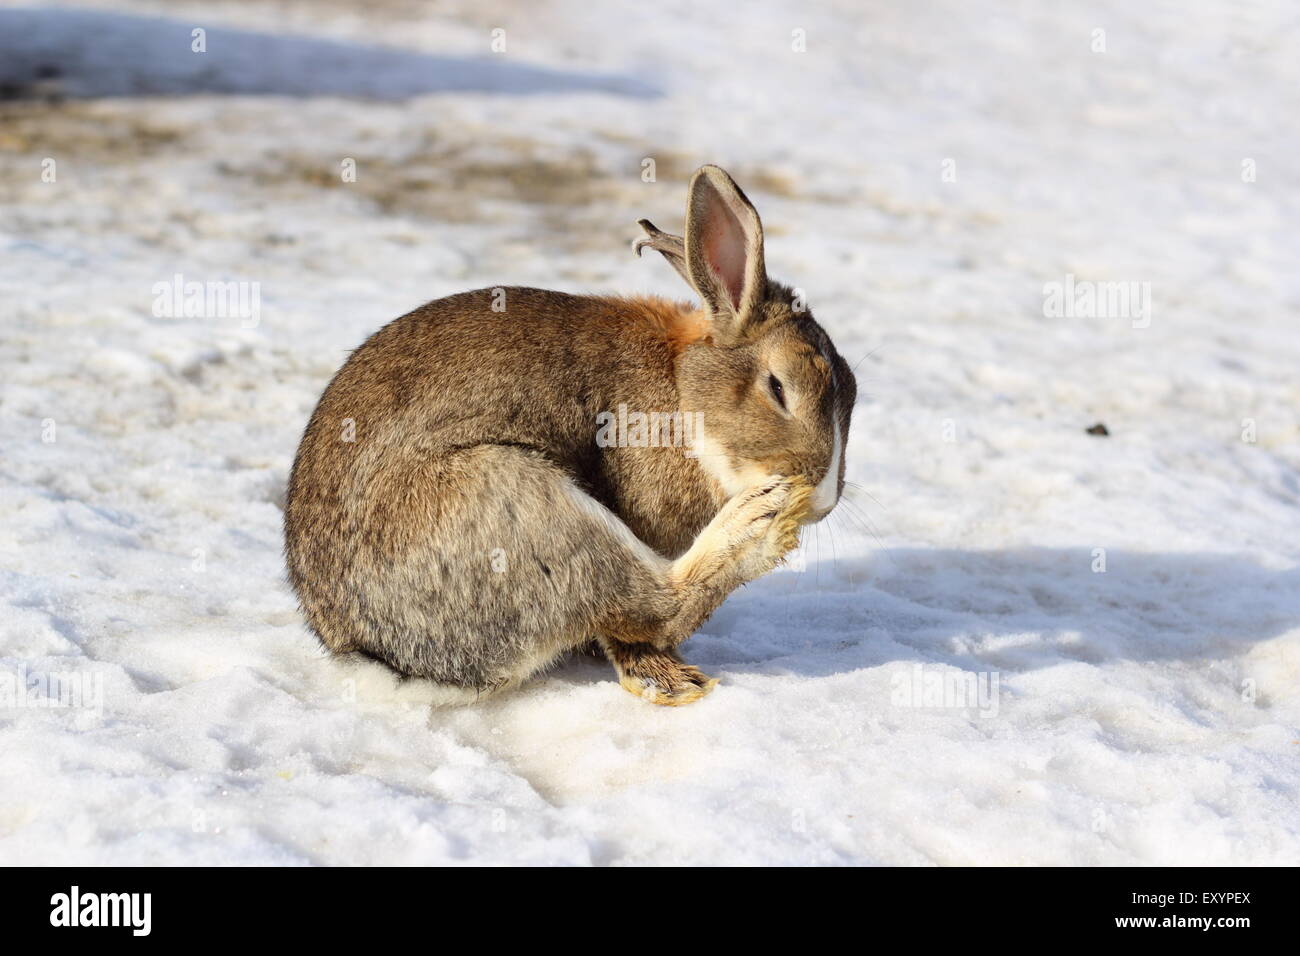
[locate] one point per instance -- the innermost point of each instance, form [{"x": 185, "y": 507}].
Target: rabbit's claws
[
  {"x": 784, "y": 534},
  {"x": 659, "y": 676},
  {"x": 787, "y": 502},
  {"x": 686, "y": 686}
]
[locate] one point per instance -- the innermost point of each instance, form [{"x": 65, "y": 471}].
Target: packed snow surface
[{"x": 1015, "y": 642}]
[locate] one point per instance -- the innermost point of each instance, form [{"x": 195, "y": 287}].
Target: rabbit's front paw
[
  {"x": 790, "y": 503},
  {"x": 752, "y": 532}
]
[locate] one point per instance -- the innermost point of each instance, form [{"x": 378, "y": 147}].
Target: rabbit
[{"x": 451, "y": 512}]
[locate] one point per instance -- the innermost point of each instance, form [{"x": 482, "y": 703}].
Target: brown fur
[
  {"x": 450, "y": 512},
  {"x": 680, "y": 323}
]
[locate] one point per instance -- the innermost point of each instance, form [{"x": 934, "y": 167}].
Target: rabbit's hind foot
[{"x": 656, "y": 675}]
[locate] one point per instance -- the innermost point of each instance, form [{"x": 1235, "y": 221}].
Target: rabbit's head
[{"x": 776, "y": 397}]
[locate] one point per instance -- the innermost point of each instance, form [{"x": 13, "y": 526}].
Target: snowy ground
[{"x": 1141, "y": 715}]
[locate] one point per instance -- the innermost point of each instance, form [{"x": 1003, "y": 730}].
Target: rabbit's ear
[
  {"x": 672, "y": 247},
  {"x": 724, "y": 251}
]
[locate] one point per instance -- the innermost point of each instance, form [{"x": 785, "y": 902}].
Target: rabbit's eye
[{"x": 778, "y": 390}]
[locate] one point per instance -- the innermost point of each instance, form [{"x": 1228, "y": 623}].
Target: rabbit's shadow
[
  {"x": 63, "y": 52},
  {"x": 1009, "y": 611}
]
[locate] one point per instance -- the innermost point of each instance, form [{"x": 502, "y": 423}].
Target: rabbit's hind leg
[
  {"x": 508, "y": 564},
  {"x": 747, "y": 537},
  {"x": 502, "y": 566}
]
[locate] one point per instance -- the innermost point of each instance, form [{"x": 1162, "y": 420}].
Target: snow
[{"x": 1144, "y": 714}]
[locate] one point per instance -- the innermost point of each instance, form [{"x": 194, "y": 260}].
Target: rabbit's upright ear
[{"x": 724, "y": 251}]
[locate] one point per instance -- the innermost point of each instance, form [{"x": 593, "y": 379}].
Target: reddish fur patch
[{"x": 680, "y": 323}]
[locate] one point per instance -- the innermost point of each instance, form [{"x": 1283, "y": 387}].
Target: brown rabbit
[{"x": 459, "y": 510}]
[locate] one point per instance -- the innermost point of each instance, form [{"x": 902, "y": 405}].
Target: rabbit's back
[
  {"x": 383, "y": 457},
  {"x": 454, "y": 373}
]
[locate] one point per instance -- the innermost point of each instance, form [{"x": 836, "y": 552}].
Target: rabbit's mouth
[
  {"x": 827, "y": 493},
  {"x": 815, "y": 515}
]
